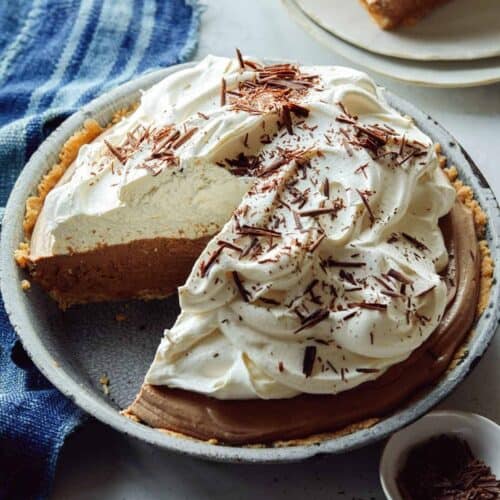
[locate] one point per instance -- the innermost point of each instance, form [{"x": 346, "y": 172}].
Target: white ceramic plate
[
  {"x": 459, "y": 30},
  {"x": 430, "y": 74},
  {"x": 482, "y": 434}
]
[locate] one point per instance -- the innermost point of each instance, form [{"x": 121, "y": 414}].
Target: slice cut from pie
[{"x": 389, "y": 14}]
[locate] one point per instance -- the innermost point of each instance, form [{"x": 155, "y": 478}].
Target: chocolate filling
[
  {"x": 264, "y": 421},
  {"x": 149, "y": 268}
]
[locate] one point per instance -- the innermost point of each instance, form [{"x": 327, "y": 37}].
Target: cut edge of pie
[{"x": 156, "y": 277}]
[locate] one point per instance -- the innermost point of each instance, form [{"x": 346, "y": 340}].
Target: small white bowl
[{"x": 482, "y": 434}]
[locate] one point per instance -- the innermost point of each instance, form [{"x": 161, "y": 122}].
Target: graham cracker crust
[{"x": 466, "y": 195}]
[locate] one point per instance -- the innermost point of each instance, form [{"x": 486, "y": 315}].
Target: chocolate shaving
[
  {"x": 248, "y": 248},
  {"x": 367, "y": 370},
  {"x": 240, "y": 59},
  {"x": 346, "y": 276},
  {"x": 223, "y": 92},
  {"x": 326, "y": 188},
  {"x": 227, "y": 244},
  {"x": 184, "y": 138},
  {"x": 287, "y": 118},
  {"x": 349, "y": 316},
  {"x": 166, "y": 141},
  {"x": 308, "y": 362},
  {"x": 239, "y": 285},
  {"x": 258, "y": 231},
  {"x": 376, "y": 135},
  {"x": 383, "y": 283},
  {"x": 317, "y": 243},
  {"x": 266, "y": 170},
  {"x": 115, "y": 152},
  {"x": 406, "y": 158},
  {"x": 399, "y": 277},
  {"x": 369, "y": 305},
  {"x": 273, "y": 88},
  {"x": 287, "y": 84},
  {"x": 317, "y": 211},
  {"x": 329, "y": 363},
  {"x": 338, "y": 263},
  {"x": 298, "y": 110},
  {"x": 366, "y": 143},
  {"x": 345, "y": 119},
  {"x": 313, "y": 319},
  {"x": 252, "y": 65},
  {"x": 205, "y": 266},
  {"x": 311, "y": 285},
  {"x": 367, "y": 205},
  {"x": 392, "y": 238},
  {"x": 361, "y": 169},
  {"x": 242, "y": 164},
  {"x": 340, "y": 104},
  {"x": 418, "y": 244}
]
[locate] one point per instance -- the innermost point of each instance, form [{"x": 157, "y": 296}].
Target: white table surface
[{"x": 98, "y": 462}]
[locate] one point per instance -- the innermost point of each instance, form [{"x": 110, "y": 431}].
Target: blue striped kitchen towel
[{"x": 55, "y": 55}]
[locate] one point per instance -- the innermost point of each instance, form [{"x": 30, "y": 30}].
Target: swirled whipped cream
[
  {"x": 153, "y": 174},
  {"x": 327, "y": 273}
]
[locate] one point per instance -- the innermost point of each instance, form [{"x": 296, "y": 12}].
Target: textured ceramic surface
[
  {"x": 74, "y": 349},
  {"x": 445, "y": 74},
  {"x": 457, "y": 31}
]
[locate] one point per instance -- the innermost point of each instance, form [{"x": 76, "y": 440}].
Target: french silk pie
[
  {"x": 330, "y": 265},
  {"x": 390, "y": 14}
]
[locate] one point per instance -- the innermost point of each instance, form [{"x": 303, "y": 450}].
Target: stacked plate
[{"x": 457, "y": 45}]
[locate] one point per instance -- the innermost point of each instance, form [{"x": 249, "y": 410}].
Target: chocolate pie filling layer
[
  {"x": 150, "y": 268},
  {"x": 265, "y": 421}
]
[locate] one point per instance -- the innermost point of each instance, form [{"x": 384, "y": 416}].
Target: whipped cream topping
[
  {"x": 133, "y": 172},
  {"x": 327, "y": 273}
]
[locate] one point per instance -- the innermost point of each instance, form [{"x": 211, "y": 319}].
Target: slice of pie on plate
[{"x": 389, "y": 14}]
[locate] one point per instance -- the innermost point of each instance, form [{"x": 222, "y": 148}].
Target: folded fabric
[{"x": 56, "y": 55}]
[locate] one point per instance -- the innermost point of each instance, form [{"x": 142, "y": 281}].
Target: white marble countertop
[{"x": 98, "y": 462}]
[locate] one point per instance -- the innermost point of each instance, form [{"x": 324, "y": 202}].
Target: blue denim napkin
[{"x": 55, "y": 55}]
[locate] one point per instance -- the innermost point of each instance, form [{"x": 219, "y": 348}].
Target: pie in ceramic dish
[
  {"x": 331, "y": 267},
  {"x": 389, "y": 14}
]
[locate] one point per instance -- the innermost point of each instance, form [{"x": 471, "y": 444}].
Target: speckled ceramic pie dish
[{"x": 76, "y": 348}]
